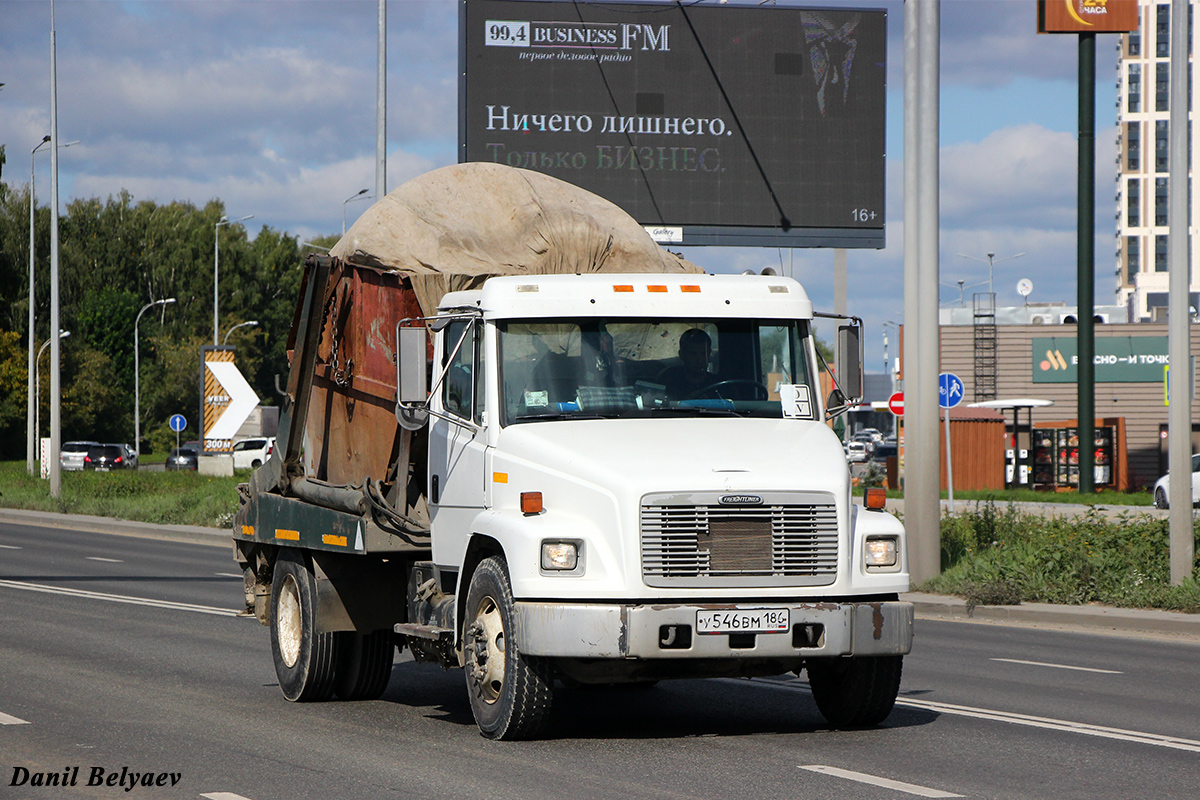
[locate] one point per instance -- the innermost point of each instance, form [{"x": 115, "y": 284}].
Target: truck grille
[{"x": 714, "y": 545}]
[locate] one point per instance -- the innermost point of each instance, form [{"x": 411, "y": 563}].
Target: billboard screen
[{"x": 713, "y": 124}]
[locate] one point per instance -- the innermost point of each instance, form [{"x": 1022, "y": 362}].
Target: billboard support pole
[{"x": 1086, "y": 263}]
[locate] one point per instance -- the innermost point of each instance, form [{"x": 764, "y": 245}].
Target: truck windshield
[{"x": 553, "y": 369}]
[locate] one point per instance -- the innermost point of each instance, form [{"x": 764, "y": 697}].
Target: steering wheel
[{"x": 759, "y": 388}]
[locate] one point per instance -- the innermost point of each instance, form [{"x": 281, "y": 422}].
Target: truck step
[{"x": 424, "y": 631}]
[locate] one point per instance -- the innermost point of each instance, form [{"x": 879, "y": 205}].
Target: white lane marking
[
  {"x": 874, "y": 780},
  {"x": 9, "y": 547},
  {"x": 119, "y": 598},
  {"x": 228, "y": 575},
  {"x": 1058, "y": 666},
  {"x": 5, "y": 719},
  {"x": 224, "y": 795},
  {"x": 105, "y": 560},
  {"x": 1120, "y": 734}
]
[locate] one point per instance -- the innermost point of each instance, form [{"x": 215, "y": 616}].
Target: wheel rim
[
  {"x": 288, "y": 622},
  {"x": 486, "y": 651}
]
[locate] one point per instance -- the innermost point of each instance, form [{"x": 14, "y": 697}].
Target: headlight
[
  {"x": 559, "y": 556},
  {"x": 880, "y": 552}
]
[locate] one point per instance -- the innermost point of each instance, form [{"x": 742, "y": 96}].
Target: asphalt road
[{"x": 120, "y": 653}]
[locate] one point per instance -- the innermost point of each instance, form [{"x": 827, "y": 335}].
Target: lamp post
[
  {"x": 225, "y": 341},
  {"x": 37, "y": 421},
  {"x": 356, "y": 196},
  {"x": 31, "y": 410},
  {"x": 30, "y": 435},
  {"x": 217, "y": 264},
  {"x": 137, "y": 386}
]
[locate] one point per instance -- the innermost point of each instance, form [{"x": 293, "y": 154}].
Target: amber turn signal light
[
  {"x": 531, "y": 502},
  {"x": 875, "y": 498}
]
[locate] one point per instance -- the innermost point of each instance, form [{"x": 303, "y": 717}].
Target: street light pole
[
  {"x": 225, "y": 341},
  {"x": 30, "y": 436},
  {"x": 217, "y": 266},
  {"x": 137, "y": 387},
  {"x": 37, "y": 421},
  {"x": 30, "y": 403},
  {"x": 356, "y": 196}
]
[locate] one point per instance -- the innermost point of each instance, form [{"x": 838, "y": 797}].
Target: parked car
[
  {"x": 105, "y": 457},
  {"x": 856, "y": 452},
  {"x": 183, "y": 458},
  {"x": 251, "y": 453},
  {"x": 131, "y": 456},
  {"x": 73, "y": 453},
  {"x": 1162, "y": 487},
  {"x": 885, "y": 451}
]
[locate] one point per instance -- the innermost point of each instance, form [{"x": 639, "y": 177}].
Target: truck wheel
[
  {"x": 510, "y": 692},
  {"x": 305, "y": 661},
  {"x": 364, "y": 664},
  {"x": 855, "y": 692}
]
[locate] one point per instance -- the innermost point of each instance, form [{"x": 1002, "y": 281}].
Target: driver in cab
[{"x": 682, "y": 381}]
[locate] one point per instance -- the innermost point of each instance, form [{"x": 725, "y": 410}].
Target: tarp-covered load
[{"x": 453, "y": 228}]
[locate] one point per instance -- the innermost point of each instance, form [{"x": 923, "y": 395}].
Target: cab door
[{"x": 457, "y": 488}]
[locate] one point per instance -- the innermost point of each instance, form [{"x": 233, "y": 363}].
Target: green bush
[{"x": 1004, "y": 556}]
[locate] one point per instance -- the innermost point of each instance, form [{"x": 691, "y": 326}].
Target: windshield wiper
[
  {"x": 559, "y": 415},
  {"x": 706, "y": 411}
]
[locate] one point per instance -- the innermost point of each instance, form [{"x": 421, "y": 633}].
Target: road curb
[
  {"x": 1095, "y": 618},
  {"x": 195, "y": 534}
]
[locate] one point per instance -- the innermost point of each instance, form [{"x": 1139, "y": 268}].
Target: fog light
[
  {"x": 559, "y": 555},
  {"x": 881, "y": 552}
]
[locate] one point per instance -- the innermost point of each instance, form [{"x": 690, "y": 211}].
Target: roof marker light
[
  {"x": 656, "y": 288},
  {"x": 622, "y": 287},
  {"x": 689, "y": 288},
  {"x": 778, "y": 289}
]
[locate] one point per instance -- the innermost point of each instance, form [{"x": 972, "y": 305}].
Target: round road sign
[
  {"x": 950, "y": 390},
  {"x": 896, "y": 404},
  {"x": 178, "y": 422}
]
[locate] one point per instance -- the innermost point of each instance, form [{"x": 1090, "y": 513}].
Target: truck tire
[
  {"x": 855, "y": 692},
  {"x": 364, "y": 664},
  {"x": 510, "y": 693},
  {"x": 305, "y": 661}
]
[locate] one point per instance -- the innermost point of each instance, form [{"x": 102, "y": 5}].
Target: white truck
[{"x": 604, "y": 477}]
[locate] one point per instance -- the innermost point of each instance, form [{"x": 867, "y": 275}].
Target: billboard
[
  {"x": 226, "y": 399},
  {"x": 709, "y": 124},
  {"x": 1087, "y": 16}
]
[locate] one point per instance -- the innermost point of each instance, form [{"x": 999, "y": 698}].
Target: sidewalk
[{"x": 1091, "y": 618}]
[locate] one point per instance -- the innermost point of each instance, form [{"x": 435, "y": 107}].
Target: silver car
[{"x": 73, "y": 453}]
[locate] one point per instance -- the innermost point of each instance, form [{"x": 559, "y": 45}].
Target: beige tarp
[{"x": 452, "y": 228}]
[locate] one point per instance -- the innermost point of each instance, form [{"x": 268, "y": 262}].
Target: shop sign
[{"x": 1118, "y": 359}]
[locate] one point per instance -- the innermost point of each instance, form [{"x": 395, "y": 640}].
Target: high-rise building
[{"x": 1143, "y": 111}]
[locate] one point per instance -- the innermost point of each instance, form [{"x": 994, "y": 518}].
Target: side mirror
[
  {"x": 835, "y": 404},
  {"x": 412, "y": 392},
  {"x": 848, "y": 358}
]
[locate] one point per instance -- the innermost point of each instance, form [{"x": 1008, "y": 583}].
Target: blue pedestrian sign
[
  {"x": 178, "y": 422},
  {"x": 950, "y": 390}
]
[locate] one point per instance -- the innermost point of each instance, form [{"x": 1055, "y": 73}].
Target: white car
[
  {"x": 251, "y": 453},
  {"x": 856, "y": 452},
  {"x": 72, "y": 455},
  {"x": 1162, "y": 487}
]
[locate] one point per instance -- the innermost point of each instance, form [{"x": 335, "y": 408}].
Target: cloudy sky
[{"x": 269, "y": 105}]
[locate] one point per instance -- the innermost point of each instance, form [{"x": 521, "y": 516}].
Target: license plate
[
  {"x": 101, "y": 469},
  {"x": 754, "y": 620}
]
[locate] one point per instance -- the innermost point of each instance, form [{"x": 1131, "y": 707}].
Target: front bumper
[{"x": 655, "y": 631}]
